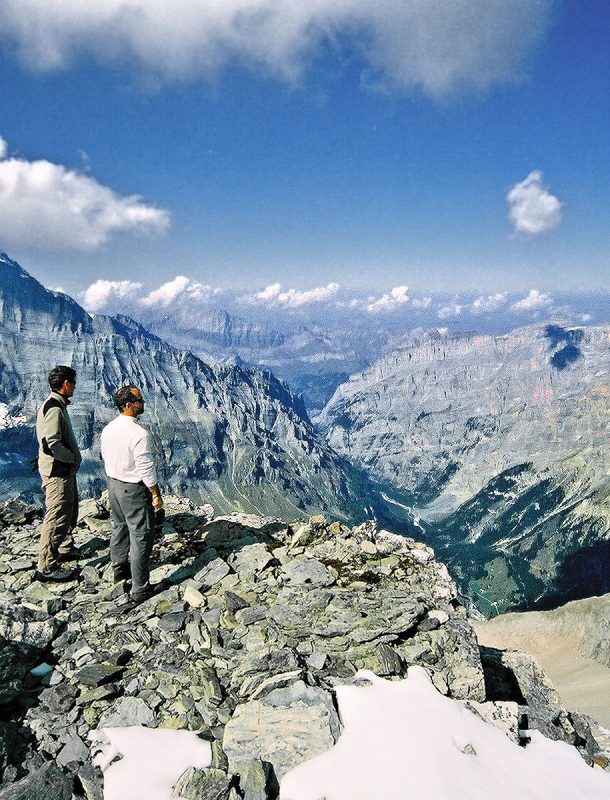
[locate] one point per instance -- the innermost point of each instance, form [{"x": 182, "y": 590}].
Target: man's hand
[{"x": 157, "y": 501}]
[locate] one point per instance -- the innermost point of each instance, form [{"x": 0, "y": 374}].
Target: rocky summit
[{"x": 253, "y": 624}]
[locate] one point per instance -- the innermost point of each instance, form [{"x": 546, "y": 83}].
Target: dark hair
[
  {"x": 59, "y": 374},
  {"x": 124, "y": 395}
]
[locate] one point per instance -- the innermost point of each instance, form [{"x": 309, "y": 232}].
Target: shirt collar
[{"x": 58, "y": 396}]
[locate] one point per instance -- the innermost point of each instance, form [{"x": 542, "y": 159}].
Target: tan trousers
[{"x": 61, "y": 514}]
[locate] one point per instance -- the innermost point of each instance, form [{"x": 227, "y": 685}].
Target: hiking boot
[
  {"x": 135, "y": 600},
  {"x": 56, "y": 575}
]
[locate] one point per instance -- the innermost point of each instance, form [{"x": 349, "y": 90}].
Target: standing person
[
  {"x": 134, "y": 493},
  {"x": 58, "y": 461}
]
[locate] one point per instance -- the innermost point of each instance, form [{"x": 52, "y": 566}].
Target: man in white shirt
[{"x": 134, "y": 493}]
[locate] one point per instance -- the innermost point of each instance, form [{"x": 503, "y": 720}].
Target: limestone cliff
[{"x": 498, "y": 445}]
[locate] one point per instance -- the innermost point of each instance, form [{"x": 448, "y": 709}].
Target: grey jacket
[{"x": 58, "y": 453}]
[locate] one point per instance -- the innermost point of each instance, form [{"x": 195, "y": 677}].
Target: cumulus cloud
[
  {"x": 531, "y": 207},
  {"x": 3, "y": 148},
  {"x": 432, "y": 45},
  {"x": 269, "y": 293},
  {"x": 492, "y": 302},
  {"x": 534, "y": 301},
  {"x": 178, "y": 289},
  {"x": 421, "y": 302},
  {"x": 292, "y": 298},
  {"x": 397, "y": 297},
  {"x": 167, "y": 292},
  {"x": 451, "y": 310},
  {"x": 103, "y": 294},
  {"x": 127, "y": 296},
  {"x": 47, "y": 206}
]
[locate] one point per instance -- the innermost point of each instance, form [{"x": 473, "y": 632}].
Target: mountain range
[
  {"x": 491, "y": 448},
  {"x": 234, "y": 436},
  {"x": 311, "y": 358},
  {"x": 498, "y": 447},
  {"x": 314, "y": 340}
]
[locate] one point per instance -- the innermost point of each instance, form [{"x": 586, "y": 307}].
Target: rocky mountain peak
[
  {"x": 25, "y": 304},
  {"x": 253, "y": 625}
]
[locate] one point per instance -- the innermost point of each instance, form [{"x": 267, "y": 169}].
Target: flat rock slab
[
  {"x": 128, "y": 711},
  {"x": 96, "y": 674},
  {"x": 286, "y": 728}
]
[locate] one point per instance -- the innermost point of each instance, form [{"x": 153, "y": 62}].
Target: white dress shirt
[{"x": 126, "y": 452}]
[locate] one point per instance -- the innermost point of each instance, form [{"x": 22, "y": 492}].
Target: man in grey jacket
[{"x": 58, "y": 461}]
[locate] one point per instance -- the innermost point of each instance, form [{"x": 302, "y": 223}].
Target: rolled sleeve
[{"x": 143, "y": 460}]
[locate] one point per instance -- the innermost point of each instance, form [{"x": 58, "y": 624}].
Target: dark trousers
[
  {"x": 133, "y": 526},
  {"x": 61, "y": 514}
]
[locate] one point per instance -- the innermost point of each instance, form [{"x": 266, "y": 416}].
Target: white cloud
[
  {"x": 397, "y": 297},
  {"x": 453, "y": 310},
  {"x": 533, "y": 302},
  {"x": 492, "y": 302},
  {"x": 531, "y": 207},
  {"x": 3, "y": 148},
  {"x": 104, "y": 293},
  {"x": 292, "y": 298},
  {"x": 270, "y": 293},
  {"x": 47, "y": 206},
  {"x": 432, "y": 45},
  {"x": 421, "y": 302},
  {"x": 180, "y": 288},
  {"x": 115, "y": 296},
  {"x": 166, "y": 292}
]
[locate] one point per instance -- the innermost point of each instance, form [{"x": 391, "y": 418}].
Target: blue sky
[{"x": 405, "y": 144}]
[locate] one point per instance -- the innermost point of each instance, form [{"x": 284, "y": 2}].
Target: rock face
[
  {"x": 253, "y": 625},
  {"x": 235, "y": 436},
  {"x": 314, "y": 360},
  {"x": 498, "y": 446},
  {"x": 571, "y": 643}
]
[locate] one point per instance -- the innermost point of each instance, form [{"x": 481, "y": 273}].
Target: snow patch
[
  {"x": 403, "y": 739},
  {"x": 7, "y": 421},
  {"x": 145, "y": 763}
]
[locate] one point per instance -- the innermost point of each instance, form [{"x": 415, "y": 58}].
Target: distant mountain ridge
[
  {"x": 309, "y": 359},
  {"x": 499, "y": 446},
  {"x": 234, "y": 436},
  {"x": 315, "y": 346},
  {"x": 215, "y": 329}
]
